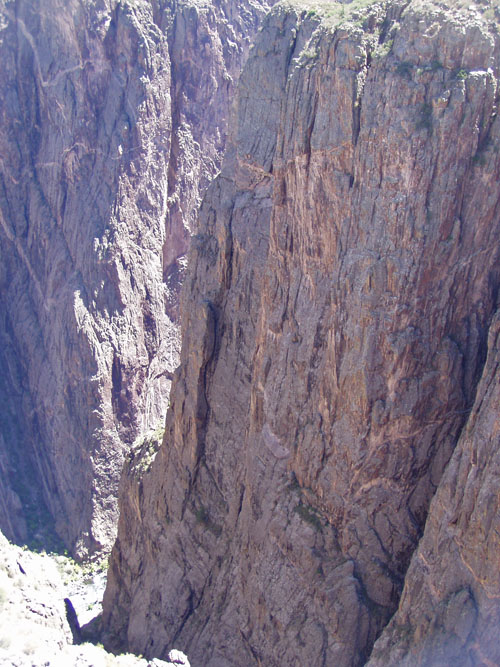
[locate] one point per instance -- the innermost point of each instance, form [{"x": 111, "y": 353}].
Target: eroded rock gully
[
  {"x": 112, "y": 113},
  {"x": 341, "y": 287}
]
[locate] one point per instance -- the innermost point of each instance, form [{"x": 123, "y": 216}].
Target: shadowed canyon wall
[
  {"x": 342, "y": 285},
  {"x": 113, "y": 119}
]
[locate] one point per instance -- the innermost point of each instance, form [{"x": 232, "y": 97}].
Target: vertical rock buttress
[
  {"x": 342, "y": 283},
  {"x": 100, "y": 138}
]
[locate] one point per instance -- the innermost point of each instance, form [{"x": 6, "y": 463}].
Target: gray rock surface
[
  {"x": 342, "y": 283},
  {"x": 449, "y": 611},
  {"x": 113, "y": 118}
]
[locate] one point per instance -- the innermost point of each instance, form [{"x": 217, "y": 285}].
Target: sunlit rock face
[
  {"x": 341, "y": 286},
  {"x": 113, "y": 120}
]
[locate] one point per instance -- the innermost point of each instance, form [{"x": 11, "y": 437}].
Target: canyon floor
[{"x": 35, "y": 626}]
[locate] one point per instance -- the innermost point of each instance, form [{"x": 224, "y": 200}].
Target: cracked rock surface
[
  {"x": 342, "y": 283},
  {"x": 113, "y": 118}
]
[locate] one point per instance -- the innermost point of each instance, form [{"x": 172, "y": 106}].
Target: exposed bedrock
[
  {"x": 449, "y": 611},
  {"x": 341, "y": 286},
  {"x": 100, "y": 138}
]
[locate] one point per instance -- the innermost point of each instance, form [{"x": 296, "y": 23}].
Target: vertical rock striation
[
  {"x": 449, "y": 611},
  {"x": 209, "y": 41},
  {"x": 335, "y": 320},
  {"x": 99, "y": 140},
  {"x": 84, "y": 192}
]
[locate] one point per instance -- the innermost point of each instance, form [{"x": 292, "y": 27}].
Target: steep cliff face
[
  {"x": 449, "y": 611},
  {"x": 84, "y": 191},
  {"x": 335, "y": 320},
  {"x": 100, "y": 137},
  {"x": 209, "y": 41}
]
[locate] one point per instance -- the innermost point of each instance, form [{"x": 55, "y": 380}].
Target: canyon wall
[
  {"x": 113, "y": 119},
  {"x": 449, "y": 611},
  {"x": 342, "y": 285}
]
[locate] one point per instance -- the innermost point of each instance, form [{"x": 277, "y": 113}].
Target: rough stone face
[
  {"x": 209, "y": 41},
  {"x": 449, "y": 611},
  {"x": 100, "y": 139},
  {"x": 84, "y": 194},
  {"x": 335, "y": 318}
]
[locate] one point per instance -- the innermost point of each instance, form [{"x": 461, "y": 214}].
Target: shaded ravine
[{"x": 106, "y": 150}]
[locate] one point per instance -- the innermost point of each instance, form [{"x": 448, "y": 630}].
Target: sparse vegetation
[
  {"x": 294, "y": 484},
  {"x": 479, "y": 158},
  {"x": 384, "y": 49},
  {"x": 404, "y": 68},
  {"x": 71, "y": 571},
  {"x": 334, "y": 14},
  {"x": 203, "y": 517},
  {"x": 309, "y": 514},
  {"x": 309, "y": 54},
  {"x": 144, "y": 450}
]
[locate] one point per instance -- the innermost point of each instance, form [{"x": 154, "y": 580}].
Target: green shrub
[
  {"x": 203, "y": 517},
  {"x": 309, "y": 514}
]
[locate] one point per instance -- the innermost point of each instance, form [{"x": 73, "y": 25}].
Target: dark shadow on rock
[
  {"x": 73, "y": 621},
  {"x": 91, "y": 631}
]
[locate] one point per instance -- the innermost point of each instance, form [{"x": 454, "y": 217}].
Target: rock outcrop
[
  {"x": 113, "y": 120},
  {"x": 342, "y": 283}
]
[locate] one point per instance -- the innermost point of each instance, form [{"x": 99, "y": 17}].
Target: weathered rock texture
[
  {"x": 112, "y": 113},
  {"x": 449, "y": 611},
  {"x": 335, "y": 321}
]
